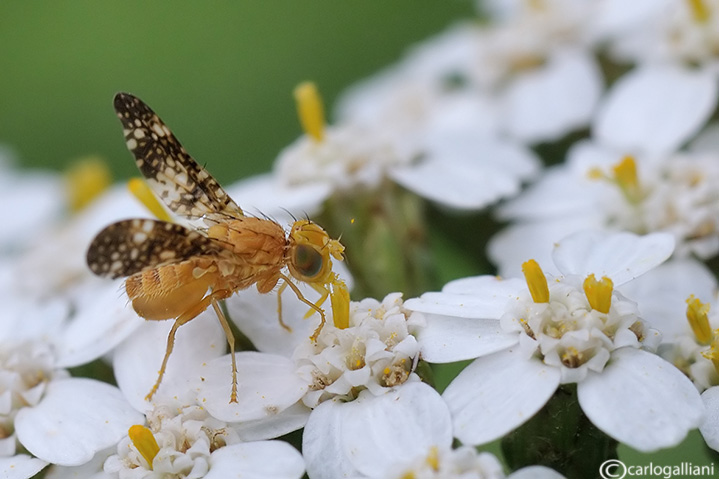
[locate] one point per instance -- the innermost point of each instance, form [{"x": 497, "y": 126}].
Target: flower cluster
[{"x": 600, "y": 327}]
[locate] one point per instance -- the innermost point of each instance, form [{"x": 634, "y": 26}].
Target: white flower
[
  {"x": 630, "y": 177},
  {"x": 664, "y": 31},
  {"x": 276, "y": 394},
  {"x": 572, "y": 328},
  {"x": 37, "y": 200},
  {"x": 189, "y": 443},
  {"x": 404, "y": 433},
  {"x": 56, "y": 418}
]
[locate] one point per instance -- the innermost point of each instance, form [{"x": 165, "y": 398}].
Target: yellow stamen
[
  {"x": 145, "y": 442},
  {"x": 310, "y": 110},
  {"x": 142, "y": 192},
  {"x": 86, "y": 179},
  {"x": 699, "y": 10},
  {"x": 433, "y": 458},
  {"x": 713, "y": 353},
  {"x": 625, "y": 174},
  {"x": 536, "y": 281},
  {"x": 697, "y": 314},
  {"x": 599, "y": 293},
  {"x": 340, "y": 300}
]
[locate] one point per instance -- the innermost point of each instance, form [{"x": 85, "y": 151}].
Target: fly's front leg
[{"x": 301, "y": 297}]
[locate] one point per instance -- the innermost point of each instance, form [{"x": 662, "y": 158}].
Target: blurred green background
[{"x": 219, "y": 73}]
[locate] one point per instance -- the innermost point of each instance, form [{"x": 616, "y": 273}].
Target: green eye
[{"x": 307, "y": 261}]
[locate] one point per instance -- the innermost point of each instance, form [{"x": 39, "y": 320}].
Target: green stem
[{"x": 560, "y": 436}]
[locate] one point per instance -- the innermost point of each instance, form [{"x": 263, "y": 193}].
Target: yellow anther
[
  {"x": 310, "y": 110},
  {"x": 700, "y": 11},
  {"x": 145, "y": 442},
  {"x": 596, "y": 174},
  {"x": 536, "y": 281},
  {"x": 340, "y": 300},
  {"x": 433, "y": 458},
  {"x": 599, "y": 293},
  {"x": 713, "y": 353},
  {"x": 625, "y": 175},
  {"x": 697, "y": 314},
  {"x": 86, "y": 179},
  {"x": 142, "y": 192}
]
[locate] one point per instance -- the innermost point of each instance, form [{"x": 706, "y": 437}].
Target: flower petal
[
  {"x": 474, "y": 297},
  {"x": 104, "y": 319},
  {"x": 265, "y": 195},
  {"x": 655, "y": 109},
  {"x": 641, "y": 400},
  {"x": 536, "y": 472},
  {"x": 497, "y": 393},
  {"x": 267, "y": 385},
  {"x": 710, "y": 424},
  {"x": 547, "y": 103},
  {"x": 76, "y": 418},
  {"x": 366, "y": 436},
  {"x": 620, "y": 256},
  {"x": 284, "y": 422},
  {"x": 20, "y": 466},
  {"x": 447, "y": 339},
  {"x": 662, "y": 293},
  {"x": 256, "y": 460},
  {"x": 137, "y": 360}
]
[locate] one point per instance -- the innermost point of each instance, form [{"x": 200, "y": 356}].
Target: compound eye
[{"x": 307, "y": 261}]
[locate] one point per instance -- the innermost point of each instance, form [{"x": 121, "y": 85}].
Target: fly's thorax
[
  {"x": 257, "y": 241},
  {"x": 310, "y": 252}
]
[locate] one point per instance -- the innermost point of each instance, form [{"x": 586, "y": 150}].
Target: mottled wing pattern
[
  {"x": 182, "y": 184},
  {"x": 130, "y": 246}
]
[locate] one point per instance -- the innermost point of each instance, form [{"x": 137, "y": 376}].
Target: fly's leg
[
  {"x": 230, "y": 339},
  {"x": 309, "y": 303},
  {"x": 279, "y": 307},
  {"x": 188, "y": 316}
]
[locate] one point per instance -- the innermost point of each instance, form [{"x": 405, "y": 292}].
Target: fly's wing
[
  {"x": 182, "y": 184},
  {"x": 131, "y": 246}
]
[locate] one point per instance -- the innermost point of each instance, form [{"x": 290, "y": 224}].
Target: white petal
[
  {"x": 662, "y": 293},
  {"x": 256, "y": 460},
  {"x": 21, "y": 466},
  {"x": 535, "y": 472},
  {"x": 497, "y": 393},
  {"x": 104, "y": 319},
  {"x": 284, "y": 422},
  {"x": 620, "y": 256},
  {"x": 641, "y": 400},
  {"x": 710, "y": 423},
  {"x": 547, "y": 103},
  {"x": 458, "y": 176},
  {"x": 267, "y": 384},
  {"x": 473, "y": 297},
  {"x": 89, "y": 470},
  {"x": 137, "y": 360},
  {"x": 446, "y": 339},
  {"x": 77, "y": 418},
  {"x": 520, "y": 242},
  {"x": 369, "y": 434},
  {"x": 265, "y": 195},
  {"x": 655, "y": 109}
]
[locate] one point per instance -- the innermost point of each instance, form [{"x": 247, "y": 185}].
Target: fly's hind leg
[
  {"x": 186, "y": 317},
  {"x": 230, "y": 338}
]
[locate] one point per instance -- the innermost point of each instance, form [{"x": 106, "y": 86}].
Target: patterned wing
[
  {"x": 182, "y": 184},
  {"x": 130, "y": 246}
]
